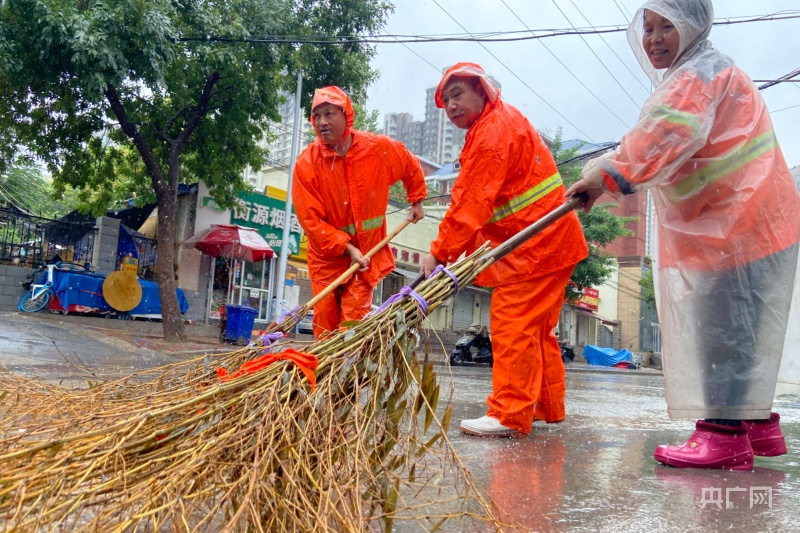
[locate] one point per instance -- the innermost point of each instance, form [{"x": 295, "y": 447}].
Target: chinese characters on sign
[
  {"x": 268, "y": 216},
  {"x": 406, "y": 256},
  {"x": 714, "y": 496},
  {"x": 590, "y": 299}
]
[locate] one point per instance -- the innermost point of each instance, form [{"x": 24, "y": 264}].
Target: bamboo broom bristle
[{"x": 176, "y": 449}]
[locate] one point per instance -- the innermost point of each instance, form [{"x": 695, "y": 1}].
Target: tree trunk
[{"x": 172, "y": 321}]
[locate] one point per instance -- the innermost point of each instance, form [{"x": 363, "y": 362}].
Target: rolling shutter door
[{"x": 462, "y": 311}]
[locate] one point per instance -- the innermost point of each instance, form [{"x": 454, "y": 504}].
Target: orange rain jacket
[
  {"x": 343, "y": 200},
  {"x": 508, "y": 180}
]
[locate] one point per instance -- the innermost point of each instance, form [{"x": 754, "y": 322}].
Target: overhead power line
[
  {"x": 635, "y": 103},
  {"x": 416, "y": 54},
  {"x": 577, "y": 78},
  {"x": 515, "y": 75},
  {"x": 787, "y": 77},
  {"x": 498, "y": 36},
  {"x": 647, "y": 89},
  {"x": 627, "y": 16},
  {"x": 785, "y": 108}
]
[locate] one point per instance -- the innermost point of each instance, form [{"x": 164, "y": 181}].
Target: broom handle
[
  {"x": 355, "y": 266},
  {"x": 508, "y": 246}
]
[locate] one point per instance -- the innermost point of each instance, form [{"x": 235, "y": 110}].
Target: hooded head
[
  {"x": 464, "y": 92},
  {"x": 692, "y": 19},
  {"x": 468, "y": 70},
  {"x": 335, "y": 96}
]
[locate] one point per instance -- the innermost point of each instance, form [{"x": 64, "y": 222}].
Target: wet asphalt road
[
  {"x": 593, "y": 472},
  {"x": 596, "y": 472},
  {"x": 66, "y": 353}
]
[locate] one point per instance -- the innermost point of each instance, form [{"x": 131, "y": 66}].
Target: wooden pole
[{"x": 354, "y": 267}]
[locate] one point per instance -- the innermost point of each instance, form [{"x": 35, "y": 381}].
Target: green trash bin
[{"x": 239, "y": 325}]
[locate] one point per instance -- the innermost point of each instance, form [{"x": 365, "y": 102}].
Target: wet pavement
[
  {"x": 73, "y": 352},
  {"x": 593, "y": 472},
  {"x": 596, "y": 472}
]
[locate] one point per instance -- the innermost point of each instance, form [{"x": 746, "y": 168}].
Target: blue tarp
[
  {"x": 86, "y": 289},
  {"x": 605, "y": 356}
]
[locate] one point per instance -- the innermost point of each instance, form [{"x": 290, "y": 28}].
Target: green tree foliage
[
  {"x": 600, "y": 226},
  {"x": 144, "y": 95},
  {"x": 25, "y": 186},
  {"x": 648, "y": 288},
  {"x": 365, "y": 120}
]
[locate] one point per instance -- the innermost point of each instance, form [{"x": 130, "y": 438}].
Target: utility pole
[{"x": 287, "y": 220}]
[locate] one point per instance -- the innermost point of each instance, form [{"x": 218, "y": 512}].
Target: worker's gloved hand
[
  {"x": 592, "y": 183},
  {"x": 357, "y": 257}
]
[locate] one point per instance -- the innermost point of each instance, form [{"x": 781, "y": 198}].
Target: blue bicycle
[{"x": 38, "y": 294}]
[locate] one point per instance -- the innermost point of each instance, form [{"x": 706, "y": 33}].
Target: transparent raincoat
[{"x": 728, "y": 221}]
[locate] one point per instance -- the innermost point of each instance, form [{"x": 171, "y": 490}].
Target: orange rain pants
[
  {"x": 528, "y": 376},
  {"x": 350, "y": 301}
]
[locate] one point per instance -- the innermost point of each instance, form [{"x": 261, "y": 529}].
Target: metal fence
[
  {"x": 28, "y": 241},
  {"x": 656, "y": 336}
]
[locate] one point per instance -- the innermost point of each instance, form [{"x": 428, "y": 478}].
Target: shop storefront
[
  {"x": 581, "y": 325},
  {"x": 250, "y": 283}
]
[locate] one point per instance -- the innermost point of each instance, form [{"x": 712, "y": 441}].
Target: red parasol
[{"x": 231, "y": 242}]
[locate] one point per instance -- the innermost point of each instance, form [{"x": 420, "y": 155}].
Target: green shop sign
[{"x": 267, "y": 215}]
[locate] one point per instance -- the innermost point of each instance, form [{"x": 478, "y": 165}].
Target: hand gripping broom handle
[
  {"x": 534, "y": 229},
  {"x": 355, "y": 266}
]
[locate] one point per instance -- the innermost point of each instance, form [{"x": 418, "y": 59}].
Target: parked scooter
[
  {"x": 567, "y": 354},
  {"x": 474, "y": 347}
]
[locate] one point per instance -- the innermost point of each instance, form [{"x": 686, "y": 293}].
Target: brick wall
[{"x": 11, "y": 291}]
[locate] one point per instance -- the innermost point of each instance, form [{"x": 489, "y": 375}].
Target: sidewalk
[{"x": 126, "y": 340}]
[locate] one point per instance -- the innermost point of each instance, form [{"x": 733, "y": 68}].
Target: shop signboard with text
[
  {"x": 589, "y": 299},
  {"x": 266, "y": 215}
]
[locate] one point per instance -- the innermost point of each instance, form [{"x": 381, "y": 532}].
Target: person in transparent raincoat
[{"x": 728, "y": 219}]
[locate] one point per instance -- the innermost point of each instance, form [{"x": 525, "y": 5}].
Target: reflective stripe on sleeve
[
  {"x": 675, "y": 116},
  {"x": 527, "y": 198},
  {"x": 366, "y": 225},
  {"x": 730, "y": 162}
]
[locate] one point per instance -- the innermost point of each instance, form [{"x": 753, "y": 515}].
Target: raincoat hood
[
  {"x": 334, "y": 95},
  {"x": 468, "y": 70},
  {"x": 693, "y": 20}
]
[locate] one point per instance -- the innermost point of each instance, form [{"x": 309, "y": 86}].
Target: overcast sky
[{"x": 765, "y": 50}]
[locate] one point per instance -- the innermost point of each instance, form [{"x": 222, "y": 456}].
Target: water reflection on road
[{"x": 596, "y": 472}]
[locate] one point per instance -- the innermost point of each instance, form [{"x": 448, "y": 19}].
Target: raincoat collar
[
  {"x": 355, "y": 147},
  {"x": 693, "y": 20}
]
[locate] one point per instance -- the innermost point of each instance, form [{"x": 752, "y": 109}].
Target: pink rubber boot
[
  {"x": 711, "y": 446},
  {"x": 766, "y": 437}
]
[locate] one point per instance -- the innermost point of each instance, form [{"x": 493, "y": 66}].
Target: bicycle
[{"x": 38, "y": 294}]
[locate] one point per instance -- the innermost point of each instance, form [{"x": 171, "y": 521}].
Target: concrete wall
[
  {"x": 197, "y": 296},
  {"x": 630, "y": 303},
  {"x": 11, "y": 279},
  {"x": 104, "y": 255}
]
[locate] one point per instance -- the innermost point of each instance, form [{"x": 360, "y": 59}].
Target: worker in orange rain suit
[
  {"x": 508, "y": 180},
  {"x": 728, "y": 223},
  {"x": 340, "y": 191}
]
